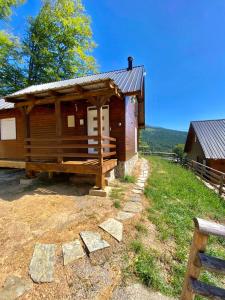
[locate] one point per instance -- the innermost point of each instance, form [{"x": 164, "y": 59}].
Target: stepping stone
[
  {"x": 15, "y": 287},
  {"x": 133, "y": 207},
  {"x": 42, "y": 263},
  {"x": 123, "y": 215},
  {"x": 135, "y": 198},
  {"x": 136, "y": 191},
  {"x": 93, "y": 241},
  {"x": 72, "y": 251},
  {"x": 140, "y": 184},
  {"x": 114, "y": 228}
]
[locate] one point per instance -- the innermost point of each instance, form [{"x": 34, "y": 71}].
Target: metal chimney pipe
[{"x": 130, "y": 63}]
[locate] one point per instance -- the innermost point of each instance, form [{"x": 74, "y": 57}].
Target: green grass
[
  {"x": 129, "y": 179},
  {"x": 117, "y": 204},
  {"x": 176, "y": 196},
  {"x": 141, "y": 228}
]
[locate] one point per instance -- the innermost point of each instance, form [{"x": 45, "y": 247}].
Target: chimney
[{"x": 130, "y": 63}]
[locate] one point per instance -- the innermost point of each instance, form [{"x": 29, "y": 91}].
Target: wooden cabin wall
[
  {"x": 131, "y": 123},
  {"x": 217, "y": 164},
  {"x": 13, "y": 149},
  {"x": 195, "y": 151}
]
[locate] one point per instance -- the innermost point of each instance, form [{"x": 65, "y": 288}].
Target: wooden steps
[{"x": 207, "y": 290}]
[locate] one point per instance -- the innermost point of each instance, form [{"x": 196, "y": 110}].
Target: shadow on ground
[{"x": 60, "y": 184}]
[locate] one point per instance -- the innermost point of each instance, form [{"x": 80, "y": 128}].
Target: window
[
  {"x": 71, "y": 121},
  {"x": 8, "y": 129}
]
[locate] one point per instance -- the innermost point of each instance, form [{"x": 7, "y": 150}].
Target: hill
[{"x": 162, "y": 139}]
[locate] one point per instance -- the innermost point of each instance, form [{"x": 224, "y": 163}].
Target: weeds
[
  {"x": 141, "y": 228},
  {"x": 129, "y": 179},
  {"x": 117, "y": 204}
]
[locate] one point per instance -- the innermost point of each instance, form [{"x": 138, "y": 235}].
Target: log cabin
[
  {"x": 206, "y": 143},
  {"x": 87, "y": 125}
]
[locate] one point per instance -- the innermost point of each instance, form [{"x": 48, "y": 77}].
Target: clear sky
[{"x": 181, "y": 44}]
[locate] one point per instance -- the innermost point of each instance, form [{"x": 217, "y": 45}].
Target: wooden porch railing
[
  {"x": 199, "y": 260},
  {"x": 214, "y": 177},
  {"x": 58, "y": 145}
]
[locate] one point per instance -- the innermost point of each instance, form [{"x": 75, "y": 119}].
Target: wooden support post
[
  {"x": 221, "y": 184},
  {"x": 58, "y": 122},
  {"x": 100, "y": 178},
  {"x": 193, "y": 270}
]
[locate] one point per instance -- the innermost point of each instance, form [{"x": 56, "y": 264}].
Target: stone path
[
  {"x": 93, "y": 241},
  {"x": 43, "y": 260},
  {"x": 114, "y": 228},
  {"x": 72, "y": 251},
  {"x": 42, "y": 263},
  {"x": 15, "y": 287}
]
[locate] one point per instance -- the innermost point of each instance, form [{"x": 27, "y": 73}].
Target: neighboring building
[
  {"x": 86, "y": 125},
  {"x": 206, "y": 143}
]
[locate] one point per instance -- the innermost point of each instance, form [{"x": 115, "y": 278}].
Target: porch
[{"x": 61, "y": 150}]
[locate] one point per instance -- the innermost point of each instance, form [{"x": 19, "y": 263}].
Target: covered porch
[{"x": 81, "y": 154}]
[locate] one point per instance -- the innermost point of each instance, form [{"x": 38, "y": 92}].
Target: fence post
[
  {"x": 199, "y": 243},
  {"x": 221, "y": 184}
]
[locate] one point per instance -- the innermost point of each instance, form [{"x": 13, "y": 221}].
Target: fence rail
[
  {"x": 167, "y": 155},
  {"x": 212, "y": 176},
  {"x": 199, "y": 260}
]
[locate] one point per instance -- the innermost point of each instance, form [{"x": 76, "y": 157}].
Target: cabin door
[{"x": 93, "y": 126}]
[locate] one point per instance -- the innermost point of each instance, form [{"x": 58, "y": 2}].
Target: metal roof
[
  {"x": 211, "y": 136},
  {"x": 5, "y": 105},
  {"x": 128, "y": 81}
]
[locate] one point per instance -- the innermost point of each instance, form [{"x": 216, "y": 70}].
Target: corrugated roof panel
[
  {"x": 5, "y": 105},
  {"x": 126, "y": 80},
  {"x": 211, "y": 136}
]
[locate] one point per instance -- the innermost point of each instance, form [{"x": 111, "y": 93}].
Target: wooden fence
[
  {"x": 166, "y": 155},
  {"x": 199, "y": 260},
  {"x": 214, "y": 177}
]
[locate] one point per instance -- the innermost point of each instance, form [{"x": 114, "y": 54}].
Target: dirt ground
[{"x": 56, "y": 211}]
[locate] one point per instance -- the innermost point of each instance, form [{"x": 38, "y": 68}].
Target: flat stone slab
[
  {"x": 15, "y": 287},
  {"x": 123, "y": 215},
  {"x": 114, "y": 228},
  {"x": 140, "y": 184},
  {"x": 42, "y": 263},
  {"x": 72, "y": 251},
  {"x": 133, "y": 207},
  {"x": 136, "y": 191},
  {"x": 93, "y": 241},
  {"x": 135, "y": 198}
]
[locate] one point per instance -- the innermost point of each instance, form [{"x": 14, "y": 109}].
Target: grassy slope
[
  {"x": 175, "y": 197},
  {"x": 161, "y": 139}
]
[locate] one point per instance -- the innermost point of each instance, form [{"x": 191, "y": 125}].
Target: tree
[
  {"x": 12, "y": 76},
  {"x": 6, "y": 7},
  {"x": 179, "y": 150},
  {"x": 58, "y": 42}
]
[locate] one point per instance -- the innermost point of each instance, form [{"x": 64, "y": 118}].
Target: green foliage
[
  {"x": 6, "y": 7},
  {"x": 161, "y": 139},
  {"x": 57, "y": 46},
  {"x": 59, "y": 42},
  {"x": 136, "y": 246},
  {"x": 141, "y": 228},
  {"x": 179, "y": 150},
  {"x": 129, "y": 179},
  {"x": 117, "y": 204},
  {"x": 176, "y": 197},
  {"x": 116, "y": 193},
  {"x": 11, "y": 61}
]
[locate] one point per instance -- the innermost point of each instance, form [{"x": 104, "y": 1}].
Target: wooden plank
[
  {"x": 85, "y": 155},
  {"x": 104, "y": 137},
  {"x": 71, "y": 146},
  {"x": 100, "y": 178},
  {"x": 209, "y": 227},
  {"x": 107, "y": 154},
  {"x": 206, "y": 290},
  {"x": 64, "y": 168},
  {"x": 64, "y": 138},
  {"x": 58, "y": 122},
  {"x": 211, "y": 263},
  {"x": 12, "y": 164}
]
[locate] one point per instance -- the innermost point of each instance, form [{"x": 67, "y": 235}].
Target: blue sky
[{"x": 181, "y": 44}]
